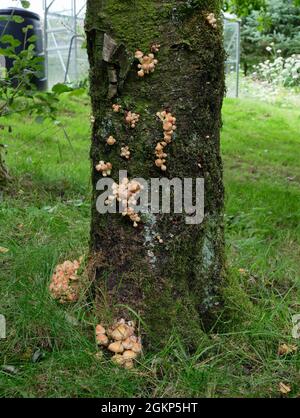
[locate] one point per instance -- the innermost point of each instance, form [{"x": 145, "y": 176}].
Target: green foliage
[
  {"x": 279, "y": 71},
  {"x": 18, "y": 92},
  {"x": 25, "y": 4},
  {"x": 17, "y": 82},
  {"x": 278, "y": 24},
  {"x": 244, "y": 7}
]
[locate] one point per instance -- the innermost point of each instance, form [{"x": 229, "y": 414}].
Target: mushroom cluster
[
  {"x": 159, "y": 239},
  {"x": 64, "y": 285},
  {"x": 116, "y": 108},
  {"x": 125, "y": 152},
  {"x": 155, "y": 48},
  {"x": 211, "y": 18},
  {"x": 126, "y": 194},
  {"x": 147, "y": 62},
  {"x": 169, "y": 126},
  {"x": 132, "y": 119},
  {"x": 104, "y": 168},
  {"x": 120, "y": 340},
  {"x": 111, "y": 141},
  {"x": 161, "y": 156}
]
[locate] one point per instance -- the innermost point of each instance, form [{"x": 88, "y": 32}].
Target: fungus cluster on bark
[
  {"x": 155, "y": 48},
  {"x": 116, "y": 108},
  {"x": 120, "y": 340},
  {"x": 212, "y": 20},
  {"x": 159, "y": 239},
  {"x": 169, "y": 126},
  {"x": 126, "y": 193},
  {"x": 132, "y": 119},
  {"x": 111, "y": 141},
  {"x": 125, "y": 153},
  {"x": 104, "y": 168},
  {"x": 64, "y": 286},
  {"x": 147, "y": 62}
]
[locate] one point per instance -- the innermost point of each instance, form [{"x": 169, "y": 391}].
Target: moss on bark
[
  {"x": 178, "y": 285},
  {"x": 4, "y": 176}
]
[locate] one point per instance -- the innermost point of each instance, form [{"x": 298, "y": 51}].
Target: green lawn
[{"x": 44, "y": 219}]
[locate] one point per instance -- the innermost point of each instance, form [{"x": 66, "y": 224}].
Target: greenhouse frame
[{"x": 66, "y": 57}]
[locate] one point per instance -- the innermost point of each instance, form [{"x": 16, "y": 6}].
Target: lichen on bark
[{"x": 180, "y": 290}]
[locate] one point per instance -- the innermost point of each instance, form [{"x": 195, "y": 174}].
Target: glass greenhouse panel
[
  {"x": 232, "y": 35},
  {"x": 66, "y": 56}
]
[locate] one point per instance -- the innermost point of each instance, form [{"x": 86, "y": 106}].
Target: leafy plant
[
  {"x": 18, "y": 92},
  {"x": 277, "y": 23},
  {"x": 244, "y": 7},
  {"x": 279, "y": 71}
]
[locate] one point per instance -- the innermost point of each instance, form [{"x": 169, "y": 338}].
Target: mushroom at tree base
[{"x": 121, "y": 341}]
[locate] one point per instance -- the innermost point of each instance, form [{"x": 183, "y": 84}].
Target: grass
[{"x": 45, "y": 219}]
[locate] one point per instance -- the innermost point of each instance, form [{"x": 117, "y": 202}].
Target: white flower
[
  {"x": 279, "y": 72},
  {"x": 269, "y": 49}
]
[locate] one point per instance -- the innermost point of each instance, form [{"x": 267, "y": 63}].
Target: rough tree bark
[
  {"x": 4, "y": 176},
  {"x": 178, "y": 285}
]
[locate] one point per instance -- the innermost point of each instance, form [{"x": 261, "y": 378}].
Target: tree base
[{"x": 4, "y": 175}]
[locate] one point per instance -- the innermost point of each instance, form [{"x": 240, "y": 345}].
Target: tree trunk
[
  {"x": 4, "y": 176},
  {"x": 174, "y": 284}
]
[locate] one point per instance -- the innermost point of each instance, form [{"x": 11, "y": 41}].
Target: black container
[{"x": 15, "y": 29}]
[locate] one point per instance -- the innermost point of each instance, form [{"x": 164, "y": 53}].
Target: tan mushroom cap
[
  {"x": 139, "y": 54},
  {"x": 168, "y": 126},
  {"x": 130, "y": 355},
  {"x": 111, "y": 141},
  {"x": 128, "y": 343},
  {"x": 116, "y": 347},
  {"x": 129, "y": 365},
  {"x": 137, "y": 347},
  {"x": 100, "y": 330},
  {"x": 118, "y": 359},
  {"x": 102, "y": 339},
  {"x": 122, "y": 332}
]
